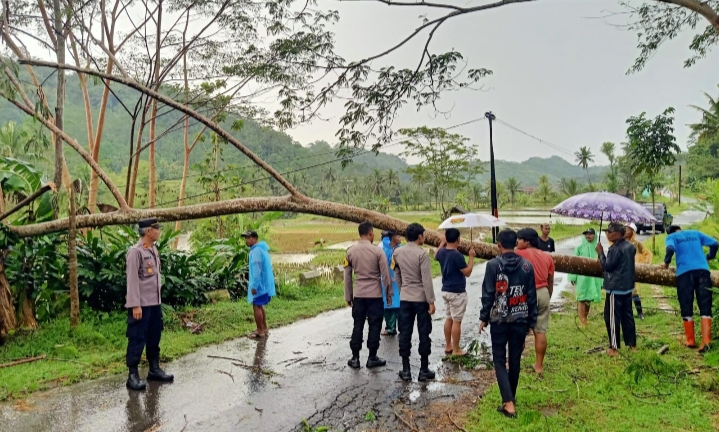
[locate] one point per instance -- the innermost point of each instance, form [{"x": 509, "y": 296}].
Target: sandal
[
  {"x": 255, "y": 335},
  {"x": 506, "y": 413}
]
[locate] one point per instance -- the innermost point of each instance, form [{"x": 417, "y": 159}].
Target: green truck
[{"x": 664, "y": 219}]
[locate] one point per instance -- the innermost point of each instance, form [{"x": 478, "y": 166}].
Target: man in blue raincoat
[
  {"x": 390, "y": 241},
  {"x": 261, "y": 287}
]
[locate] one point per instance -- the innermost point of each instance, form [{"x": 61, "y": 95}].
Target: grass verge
[
  {"x": 97, "y": 347},
  {"x": 592, "y": 392}
]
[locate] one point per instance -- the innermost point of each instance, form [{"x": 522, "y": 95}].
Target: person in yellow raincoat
[
  {"x": 588, "y": 289},
  {"x": 643, "y": 256}
]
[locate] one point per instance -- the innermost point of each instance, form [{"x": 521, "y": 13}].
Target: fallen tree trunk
[{"x": 564, "y": 263}]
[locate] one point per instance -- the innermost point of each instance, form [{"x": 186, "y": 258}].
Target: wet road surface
[{"x": 299, "y": 372}]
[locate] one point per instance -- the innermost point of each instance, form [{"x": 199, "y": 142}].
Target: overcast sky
[{"x": 559, "y": 73}]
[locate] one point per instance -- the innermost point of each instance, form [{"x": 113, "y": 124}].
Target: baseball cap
[
  {"x": 589, "y": 231},
  {"x": 632, "y": 226},
  {"x": 249, "y": 234},
  {"x": 148, "y": 223}
]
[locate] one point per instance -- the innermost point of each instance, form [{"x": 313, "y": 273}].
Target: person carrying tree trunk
[
  {"x": 693, "y": 278},
  {"x": 619, "y": 279},
  {"x": 364, "y": 295},
  {"x": 644, "y": 256},
  {"x": 509, "y": 307},
  {"x": 413, "y": 271},
  {"x": 390, "y": 242},
  {"x": 261, "y": 283},
  {"x": 587, "y": 289},
  {"x": 143, "y": 303}
]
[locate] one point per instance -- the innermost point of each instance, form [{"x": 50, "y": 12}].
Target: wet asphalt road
[{"x": 312, "y": 381}]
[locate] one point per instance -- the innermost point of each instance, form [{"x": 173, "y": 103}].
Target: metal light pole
[
  {"x": 492, "y": 178},
  {"x": 680, "y": 184}
]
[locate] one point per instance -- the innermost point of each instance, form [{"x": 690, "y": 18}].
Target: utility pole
[
  {"x": 680, "y": 185},
  {"x": 492, "y": 178}
]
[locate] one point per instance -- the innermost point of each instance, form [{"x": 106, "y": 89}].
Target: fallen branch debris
[
  {"x": 23, "y": 361},
  {"x": 226, "y": 373},
  {"x": 412, "y": 428},
  {"x": 455, "y": 423}
]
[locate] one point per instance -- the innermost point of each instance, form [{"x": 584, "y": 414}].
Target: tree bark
[
  {"x": 153, "y": 119},
  {"x": 26, "y": 201},
  {"x": 564, "y": 263},
  {"x": 94, "y": 179},
  {"x": 60, "y": 103},
  {"x": 72, "y": 263},
  {"x": 7, "y": 310}
]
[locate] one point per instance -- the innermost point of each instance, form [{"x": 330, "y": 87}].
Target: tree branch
[
  {"x": 78, "y": 148},
  {"x": 186, "y": 110},
  {"x": 27, "y": 200},
  {"x": 564, "y": 263}
]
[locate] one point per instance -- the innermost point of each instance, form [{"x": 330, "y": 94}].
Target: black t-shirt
[
  {"x": 547, "y": 246},
  {"x": 451, "y": 261}
]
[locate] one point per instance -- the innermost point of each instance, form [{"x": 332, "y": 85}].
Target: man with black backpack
[{"x": 509, "y": 304}]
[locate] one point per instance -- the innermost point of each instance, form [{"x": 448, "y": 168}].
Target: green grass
[
  {"x": 97, "y": 347},
  {"x": 592, "y": 392}
]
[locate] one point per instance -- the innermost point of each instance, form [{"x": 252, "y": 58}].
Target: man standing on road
[
  {"x": 144, "y": 313},
  {"x": 693, "y": 278},
  {"x": 455, "y": 272},
  {"x": 509, "y": 304},
  {"x": 619, "y": 278},
  {"x": 369, "y": 265},
  {"x": 390, "y": 242},
  {"x": 261, "y": 286},
  {"x": 644, "y": 256},
  {"x": 414, "y": 277},
  {"x": 588, "y": 289},
  {"x": 528, "y": 240},
  {"x": 546, "y": 243}
]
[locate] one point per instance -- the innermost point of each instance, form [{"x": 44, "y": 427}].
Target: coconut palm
[
  {"x": 709, "y": 126},
  {"x": 392, "y": 179},
  {"x": 544, "y": 191},
  {"x": 583, "y": 157},
  {"x": 513, "y": 188},
  {"x": 569, "y": 187}
]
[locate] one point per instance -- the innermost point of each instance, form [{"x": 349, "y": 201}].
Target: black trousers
[
  {"x": 372, "y": 311},
  {"x": 145, "y": 332},
  {"x": 689, "y": 283},
  {"x": 408, "y": 311},
  {"x": 618, "y": 314},
  {"x": 503, "y": 336}
]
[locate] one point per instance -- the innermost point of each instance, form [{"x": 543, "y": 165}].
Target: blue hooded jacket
[
  {"x": 262, "y": 277},
  {"x": 388, "y": 251}
]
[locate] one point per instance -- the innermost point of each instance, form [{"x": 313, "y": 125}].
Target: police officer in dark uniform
[{"x": 144, "y": 313}]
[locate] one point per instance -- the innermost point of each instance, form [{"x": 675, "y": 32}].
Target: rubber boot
[
  {"x": 373, "y": 361},
  {"x": 157, "y": 374},
  {"x": 406, "y": 372},
  {"x": 689, "y": 332},
  {"x": 638, "y": 305},
  {"x": 354, "y": 362},
  {"x": 424, "y": 372},
  {"x": 134, "y": 382},
  {"x": 706, "y": 334}
]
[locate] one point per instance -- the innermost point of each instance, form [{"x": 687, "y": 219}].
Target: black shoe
[
  {"x": 375, "y": 361},
  {"x": 134, "y": 382},
  {"x": 425, "y": 374},
  {"x": 354, "y": 363},
  {"x": 640, "y": 316},
  {"x": 405, "y": 374},
  {"x": 157, "y": 374}
]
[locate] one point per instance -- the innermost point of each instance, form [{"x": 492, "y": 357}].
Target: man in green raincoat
[{"x": 588, "y": 289}]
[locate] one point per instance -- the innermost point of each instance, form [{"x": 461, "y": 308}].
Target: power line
[{"x": 554, "y": 146}]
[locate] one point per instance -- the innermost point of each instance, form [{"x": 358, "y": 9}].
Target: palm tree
[
  {"x": 377, "y": 181},
  {"x": 392, "y": 178},
  {"x": 545, "y": 189},
  {"x": 709, "y": 126},
  {"x": 568, "y": 187},
  {"x": 583, "y": 157},
  {"x": 475, "y": 193},
  {"x": 514, "y": 187}
]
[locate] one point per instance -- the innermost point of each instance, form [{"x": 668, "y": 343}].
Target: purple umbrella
[{"x": 603, "y": 206}]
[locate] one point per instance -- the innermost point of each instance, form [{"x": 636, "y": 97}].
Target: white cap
[{"x": 632, "y": 226}]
